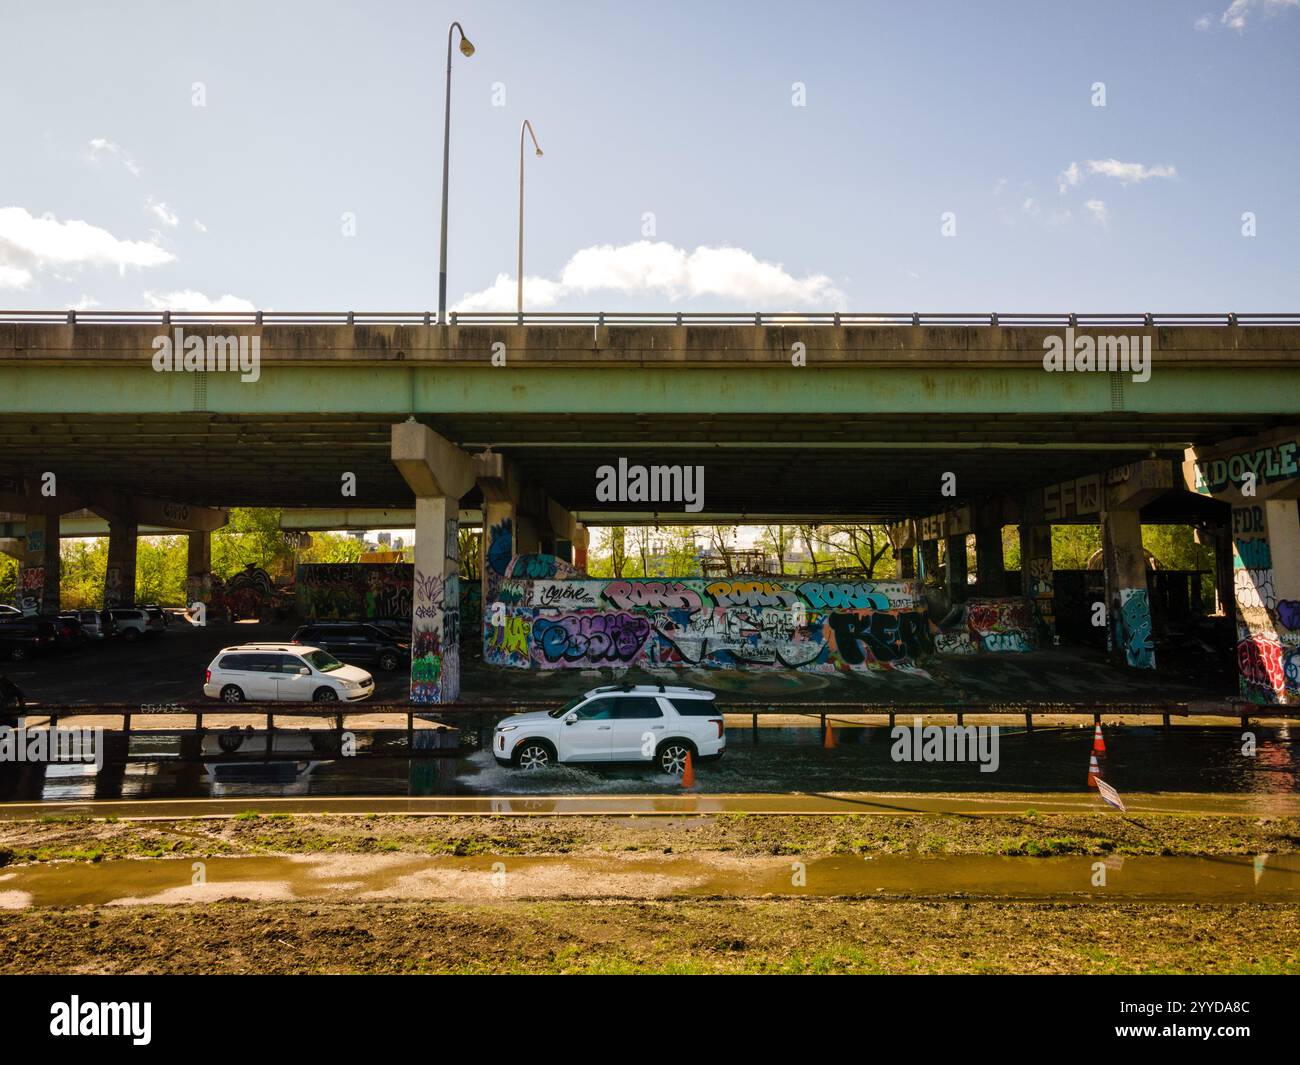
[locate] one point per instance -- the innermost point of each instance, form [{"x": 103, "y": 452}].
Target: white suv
[
  {"x": 647, "y": 723},
  {"x": 272, "y": 672}
]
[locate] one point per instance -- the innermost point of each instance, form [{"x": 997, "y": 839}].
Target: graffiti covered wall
[
  {"x": 546, "y": 615},
  {"x": 1268, "y": 627},
  {"x": 1001, "y": 624},
  {"x": 347, "y": 591}
]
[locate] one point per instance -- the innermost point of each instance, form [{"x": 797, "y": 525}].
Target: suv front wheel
[{"x": 533, "y": 754}]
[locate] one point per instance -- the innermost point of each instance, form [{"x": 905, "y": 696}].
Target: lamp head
[{"x": 466, "y": 49}]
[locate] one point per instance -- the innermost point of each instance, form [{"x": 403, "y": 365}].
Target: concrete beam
[
  {"x": 330, "y": 519},
  {"x": 431, "y": 464}
]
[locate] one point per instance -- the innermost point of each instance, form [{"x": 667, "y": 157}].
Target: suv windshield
[
  {"x": 323, "y": 660},
  {"x": 567, "y": 706}
]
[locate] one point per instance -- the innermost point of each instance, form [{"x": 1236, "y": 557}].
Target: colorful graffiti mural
[
  {"x": 1268, "y": 628},
  {"x": 1133, "y": 628},
  {"x": 342, "y": 590},
  {"x": 1001, "y": 625},
  {"x": 548, "y": 615},
  {"x": 248, "y": 594}
]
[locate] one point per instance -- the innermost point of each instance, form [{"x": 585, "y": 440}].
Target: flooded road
[
  {"x": 782, "y": 761},
  {"x": 369, "y": 878}
]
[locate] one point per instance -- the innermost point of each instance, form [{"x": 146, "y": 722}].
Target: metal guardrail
[{"x": 631, "y": 318}]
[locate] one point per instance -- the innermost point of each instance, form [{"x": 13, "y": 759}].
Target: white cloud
[
  {"x": 1235, "y": 16},
  {"x": 162, "y": 212},
  {"x": 1203, "y": 23},
  {"x": 1097, "y": 208},
  {"x": 1031, "y": 208},
  {"x": 999, "y": 186},
  {"x": 99, "y": 148},
  {"x": 658, "y": 268},
  {"x": 191, "y": 300},
  {"x": 29, "y": 244},
  {"x": 200, "y": 226},
  {"x": 85, "y": 303},
  {"x": 1129, "y": 173},
  {"x": 1068, "y": 178},
  {"x": 14, "y": 276}
]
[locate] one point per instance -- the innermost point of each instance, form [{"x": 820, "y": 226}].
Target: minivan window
[
  {"x": 289, "y": 664},
  {"x": 235, "y": 663},
  {"x": 323, "y": 660}
]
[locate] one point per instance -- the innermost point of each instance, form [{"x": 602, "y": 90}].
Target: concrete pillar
[
  {"x": 1266, "y": 587},
  {"x": 38, "y": 575},
  {"x": 1037, "y": 578},
  {"x": 198, "y": 568},
  {"x": 439, "y": 473},
  {"x": 528, "y": 538},
  {"x": 957, "y": 568},
  {"x": 119, "y": 574},
  {"x": 928, "y": 559},
  {"x": 581, "y": 541},
  {"x": 990, "y": 571},
  {"x": 498, "y": 545},
  {"x": 435, "y": 608},
  {"x": 905, "y": 563},
  {"x": 1225, "y": 601},
  {"x": 1128, "y": 604}
]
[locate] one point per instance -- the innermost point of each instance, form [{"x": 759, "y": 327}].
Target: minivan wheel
[
  {"x": 325, "y": 695},
  {"x": 232, "y": 694},
  {"x": 533, "y": 755},
  {"x": 672, "y": 757},
  {"x": 389, "y": 661}
]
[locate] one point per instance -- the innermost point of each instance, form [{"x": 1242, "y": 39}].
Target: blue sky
[{"x": 684, "y": 110}]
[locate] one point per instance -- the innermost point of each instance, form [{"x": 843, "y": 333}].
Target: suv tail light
[
  {"x": 207, "y": 676},
  {"x": 718, "y": 722}
]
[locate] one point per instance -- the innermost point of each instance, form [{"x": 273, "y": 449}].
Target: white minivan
[
  {"x": 269, "y": 673},
  {"x": 646, "y": 723}
]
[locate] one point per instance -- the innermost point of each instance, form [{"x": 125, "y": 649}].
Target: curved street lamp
[
  {"x": 466, "y": 49},
  {"x": 520, "y": 275}
]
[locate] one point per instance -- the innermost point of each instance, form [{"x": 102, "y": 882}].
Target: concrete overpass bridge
[{"x": 943, "y": 426}]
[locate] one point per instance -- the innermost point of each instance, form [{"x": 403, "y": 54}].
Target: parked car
[
  {"x": 68, "y": 630},
  {"x": 158, "y": 617},
  {"x": 96, "y": 624},
  {"x": 131, "y": 623},
  {"x": 267, "y": 672},
  {"x": 21, "y": 638},
  {"x": 646, "y": 723},
  {"x": 7, "y": 611},
  {"x": 357, "y": 641}
]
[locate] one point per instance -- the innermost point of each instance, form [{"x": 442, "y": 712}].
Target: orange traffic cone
[
  {"x": 688, "y": 773},
  {"x": 1094, "y": 771},
  {"x": 828, "y": 740},
  {"x": 1098, "y": 744}
]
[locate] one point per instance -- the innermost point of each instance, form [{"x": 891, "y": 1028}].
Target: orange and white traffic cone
[
  {"x": 688, "y": 773},
  {"x": 828, "y": 741},
  {"x": 1094, "y": 771},
  {"x": 1098, "y": 744}
]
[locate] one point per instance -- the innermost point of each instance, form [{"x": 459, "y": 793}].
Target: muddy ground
[
  {"x": 675, "y": 934},
  {"x": 1102, "y": 833}
]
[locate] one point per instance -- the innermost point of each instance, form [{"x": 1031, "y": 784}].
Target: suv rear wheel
[
  {"x": 389, "y": 661},
  {"x": 671, "y": 756}
]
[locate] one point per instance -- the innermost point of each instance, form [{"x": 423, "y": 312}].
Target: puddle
[{"x": 350, "y": 878}]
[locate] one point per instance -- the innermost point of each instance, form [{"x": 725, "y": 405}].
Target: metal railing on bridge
[{"x": 834, "y": 319}]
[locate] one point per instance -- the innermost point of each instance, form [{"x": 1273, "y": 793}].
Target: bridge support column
[
  {"x": 1037, "y": 578},
  {"x": 928, "y": 561},
  {"x": 198, "y": 568},
  {"x": 439, "y": 474},
  {"x": 38, "y": 576},
  {"x": 1266, "y": 587},
  {"x": 956, "y": 568},
  {"x": 905, "y": 561},
  {"x": 581, "y": 541},
  {"x": 990, "y": 570},
  {"x": 1128, "y": 603},
  {"x": 119, "y": 573}
]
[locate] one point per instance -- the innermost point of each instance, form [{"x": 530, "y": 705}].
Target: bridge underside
[{"x": 885, "y": 466}]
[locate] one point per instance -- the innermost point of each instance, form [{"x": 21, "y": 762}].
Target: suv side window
[
  {"x": 596, "y": 710},
  {"x": 629, "y": 707},
  {"x": 695, "y": 707}
]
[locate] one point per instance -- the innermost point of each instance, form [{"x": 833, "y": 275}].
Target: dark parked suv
[
  {"x": 356, "y": 641},
  {"x": 21, "y": 638}
]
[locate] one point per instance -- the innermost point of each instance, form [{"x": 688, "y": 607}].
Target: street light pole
[
  {"x": 467, "y": 49},
  {"x": 520, "y": 272}
]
